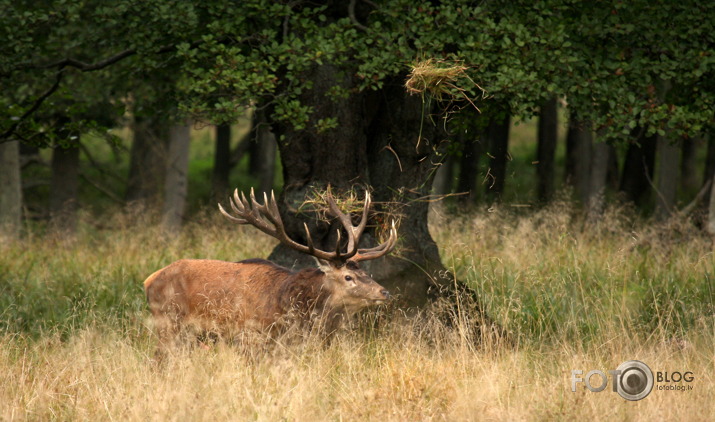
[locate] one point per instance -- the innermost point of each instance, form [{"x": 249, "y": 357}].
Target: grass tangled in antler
[{"x": 352, "y": 201}]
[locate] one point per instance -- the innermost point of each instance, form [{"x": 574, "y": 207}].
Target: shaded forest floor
[{"x": 77, "y": 345}]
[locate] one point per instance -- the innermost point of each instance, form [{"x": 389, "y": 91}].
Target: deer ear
[{"x": 324, "y": 265}]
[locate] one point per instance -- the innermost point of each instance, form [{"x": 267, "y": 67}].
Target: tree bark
[
  {"x": 147, "y": 165},
  {"x": 398, "y": 124},
  {"x": 222, "y": 162},
  {"x": 638, "y": 168},
  {"x": 667, "y": 177},
  {"x": 176, "y": 183},
  {"x": 709, "y": 170},
  {"x": 10, "y": 191},
  {"x": 711, "y": 210},
  {"x": 688, "y": 164},
  {"x": 263, "y": 154},
  {"x": 443, "y": 178},
  {"x": 613, "y": 179},
  {"x": 579, "y": 142},
  {"x": 315, "y": 159},
  {"x": 498, "y": 141},
  {"x": 546, "y": 150},
  {"x": 597, "y": 181},
  {"x": 64, "y": 187},
  {"x": 468, "y": 169},
  {"x": 380, "y": 140}
]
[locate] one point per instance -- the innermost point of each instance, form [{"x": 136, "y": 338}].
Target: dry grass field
[{"x": 76, "y": 344}]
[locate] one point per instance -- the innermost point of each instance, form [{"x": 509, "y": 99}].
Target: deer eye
[{"x": 348, "y": 278}]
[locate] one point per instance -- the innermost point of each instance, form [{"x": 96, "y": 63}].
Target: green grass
[{"x": 77, "y": 344}]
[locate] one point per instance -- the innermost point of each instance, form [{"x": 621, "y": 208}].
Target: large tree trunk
[
  {"x": 398, "y": 124},
  {"x": 64, "y": 187},
  {"x": 379, "y": 141},
  {"x": 638, "y": 168},
  {"x": 222, "y": 162},
  {"x": 10, "y": 191},
  {"x": 498, "y": 141},
  {"x": 147, "y": 165},
  {"x": 314, "y": 159},
  {"x": 176, "y": 183},
  {"x": 579, "y": 140},
  {"x": 546, "y": 150},
  {"x": 667, "y": 177}
]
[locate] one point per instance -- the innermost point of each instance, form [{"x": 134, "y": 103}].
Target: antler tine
[
  {"x": 379, "y": 250},
  {"x": 272, "y": 212},
  {"x": 363, "y": 220},
  {"x": 254, "y": 204},
  {"x": 236, "y": 203},
  {"x": 337, "y": 246},
  {"x": 311, "y": 247},
  {"x": 246, "y": 205},
  {"x": 347, "y": 225},
  {"x": 230, "y": 217},
  {"x": 266, "y": 209},
  {"x": 266, "y": 218}
]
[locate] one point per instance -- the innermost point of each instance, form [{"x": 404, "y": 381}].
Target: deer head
[{"x": 351, "y": 287}]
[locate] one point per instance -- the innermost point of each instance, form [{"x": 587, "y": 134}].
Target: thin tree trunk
[
  {"x": 468, "y": 169},
  {"x": 579, "y": 142},
  {"x": 638, "y": 168},
  {"x": 667, "y": 177},
  {"x": 147, "y": 165},
  {"x": 546, "y": 150},
  {"x": 688, "y": 164},
  {"x": 498, "y": 141},
  {"x": 10, "y": 191},
  {"x": 176, "y": 184},
  {"x": 571, "y": 156},
  {"x": 64, "y": 187},
  {"x": 613, "y": 178},
  {"x": 442, "y": 184},
  {"x": 597, "y": 182},
  {"x": 222, "y": 162},
  {"x": 711, "y": 210},
  {"x": 264, "y": 160},
  {"x": 709, "y": 170}
]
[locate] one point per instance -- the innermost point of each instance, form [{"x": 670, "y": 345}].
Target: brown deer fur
[
  {"x": 227, "y": 298},
  {"x": 255, "y": 295}
]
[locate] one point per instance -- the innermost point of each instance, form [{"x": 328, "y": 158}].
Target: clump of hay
[
  {"x": 352, "y": 201},
  {"x": 440, "y": 79}
]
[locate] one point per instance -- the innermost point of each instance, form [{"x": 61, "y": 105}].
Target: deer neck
[{"x": 305, "y": 292}]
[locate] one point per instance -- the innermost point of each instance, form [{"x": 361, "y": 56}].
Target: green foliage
[{"x": 618, "y": 64}]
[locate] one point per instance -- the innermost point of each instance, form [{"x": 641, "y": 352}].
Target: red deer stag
[{"x": 255, "y": 295}]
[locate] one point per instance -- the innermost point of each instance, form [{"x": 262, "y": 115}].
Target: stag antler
[{"x": 266, "y": 218}]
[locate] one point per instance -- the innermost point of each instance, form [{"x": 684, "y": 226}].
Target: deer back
[{"x": 230, "y": 292}]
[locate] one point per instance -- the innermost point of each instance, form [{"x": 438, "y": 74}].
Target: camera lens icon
[{"x": 635, "y": 381}]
